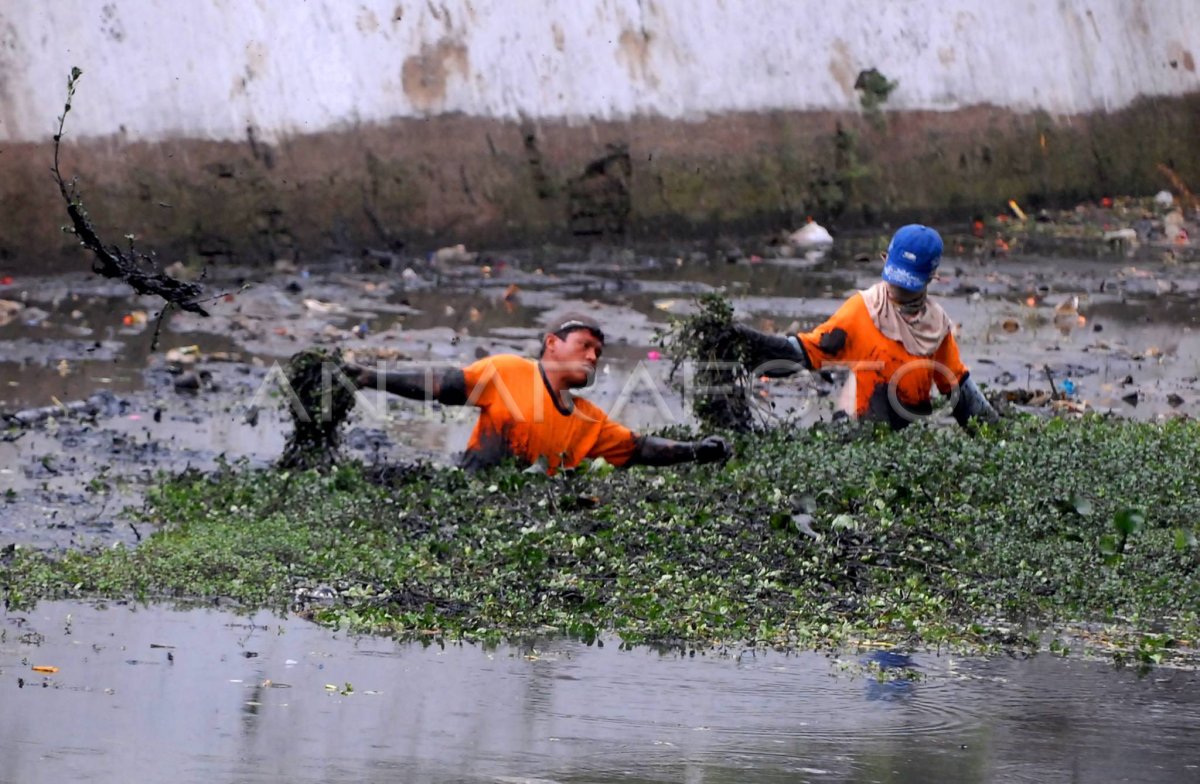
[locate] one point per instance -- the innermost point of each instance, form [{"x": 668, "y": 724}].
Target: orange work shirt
[
  {"x": 880, "y": 364},
  {"x": 521, "y": 417}
]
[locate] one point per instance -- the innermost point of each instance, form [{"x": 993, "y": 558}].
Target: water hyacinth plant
[{"x": 814, "y": 538}]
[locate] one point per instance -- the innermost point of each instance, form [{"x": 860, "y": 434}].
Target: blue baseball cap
[{"x": 912, "y": 257}]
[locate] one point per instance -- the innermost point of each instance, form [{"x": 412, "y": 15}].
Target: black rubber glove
[
  {"x": 711, "y": 449},
  {"x": 775, "y": 356},
  {"x": 652, "y": 450},
  {"x": 972, "y": 404}
]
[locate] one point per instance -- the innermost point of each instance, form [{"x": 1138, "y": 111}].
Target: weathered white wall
[{"x": 210, "y": 68}]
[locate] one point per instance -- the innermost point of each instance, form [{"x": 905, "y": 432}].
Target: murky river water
[{"x": 151, "y": 694}]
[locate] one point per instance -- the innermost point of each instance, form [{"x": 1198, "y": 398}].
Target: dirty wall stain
[
  {"x": 841, "y": 67},
  {"x": 634, "y": 52},
  {"x": 425, "y": 76}
]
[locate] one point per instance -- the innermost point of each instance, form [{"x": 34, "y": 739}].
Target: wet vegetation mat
[
  {"x": 1034, "y": 534},
  {"x": 322, "y": 399},
  {"x": 708, "y": 343}
]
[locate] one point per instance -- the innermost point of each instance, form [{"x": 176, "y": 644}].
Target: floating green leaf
[{"x": 1128, "y": 521}]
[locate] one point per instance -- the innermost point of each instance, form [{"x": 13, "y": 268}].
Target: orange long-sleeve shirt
[
  {"x": 883, "y": 369},
  {"x": 521, "y": 417}
]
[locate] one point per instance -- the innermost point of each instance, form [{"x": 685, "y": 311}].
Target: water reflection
[
  {"x": 897, "y": 674},
  {"x": 272, "y": 699}
]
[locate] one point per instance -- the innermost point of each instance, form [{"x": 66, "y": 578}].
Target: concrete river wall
[{"x": 250, "y": 130}]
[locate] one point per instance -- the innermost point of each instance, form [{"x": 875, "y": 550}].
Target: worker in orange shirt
[
  {"x": 527, "y": 411},
  {"x": 897, "y": 342}
]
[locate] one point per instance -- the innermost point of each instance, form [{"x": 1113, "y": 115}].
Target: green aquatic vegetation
[
  {"x": 322, "y": 397},
  {"x": 807, "y": 539},
  {"x": 706, "y": 344}
]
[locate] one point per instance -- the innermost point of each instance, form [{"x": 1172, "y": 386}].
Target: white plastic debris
[
  {"x": 1173, "y": 226},
  {"x": 810, "y": 235},
  {"x": 455, "y": 254},
  {"x": 1122, "y": 236}
]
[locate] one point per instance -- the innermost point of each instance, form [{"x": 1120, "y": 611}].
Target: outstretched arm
[
  {"x": 448, "y": 387},
  {"x": 775, "y": 356},
  {"x": 651, "y": 450}
]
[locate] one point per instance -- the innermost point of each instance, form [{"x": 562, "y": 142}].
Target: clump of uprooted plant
[
  {"x": 322, "y": 397},
  {"x": 1054, "y": 534},
  {"x": 706, "y": 346}
]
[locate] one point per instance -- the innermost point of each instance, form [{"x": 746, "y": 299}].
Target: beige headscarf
[{"x": 921, "y": 334}]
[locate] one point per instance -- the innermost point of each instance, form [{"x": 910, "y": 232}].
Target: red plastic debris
[
  {"x": 1106, "y": 202},
  {"x": 6, "y": 280}
]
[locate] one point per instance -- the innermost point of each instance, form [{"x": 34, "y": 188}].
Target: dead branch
[{"x": 135, "y": 268}]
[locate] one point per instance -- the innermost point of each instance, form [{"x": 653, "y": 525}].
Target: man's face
[{"x": 574, "y": 356}]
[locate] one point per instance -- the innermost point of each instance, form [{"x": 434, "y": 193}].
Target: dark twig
[
  {"x": 111, "y": 261},
  {"x": 1050, "y": 377},
  {"x": 158, "y": 322}
]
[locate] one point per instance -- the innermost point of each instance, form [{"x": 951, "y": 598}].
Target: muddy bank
[{"x": 415, "y": 185}]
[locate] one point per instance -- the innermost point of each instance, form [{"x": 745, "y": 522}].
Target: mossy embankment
[{"x": 807, "y": 539}]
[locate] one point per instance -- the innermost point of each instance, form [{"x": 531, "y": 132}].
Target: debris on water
[
  {"x": 810, "y": 236},
  {"x": 9, "y": 310},
  {"x": 322, "y": 397},
  {"x": 454, "y": 254},
  {"x": 103, "y": 401},
  {"x": 1122, "y": 237},
  {"x": 183, "y": 355},
  {"x": 317, "y": 306},
  {"x": 188, "y": 382},
  {"x": 1173, "y": 227}
]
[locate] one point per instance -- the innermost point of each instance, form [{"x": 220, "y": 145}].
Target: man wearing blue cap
[{"x": 896, "y": 340}]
